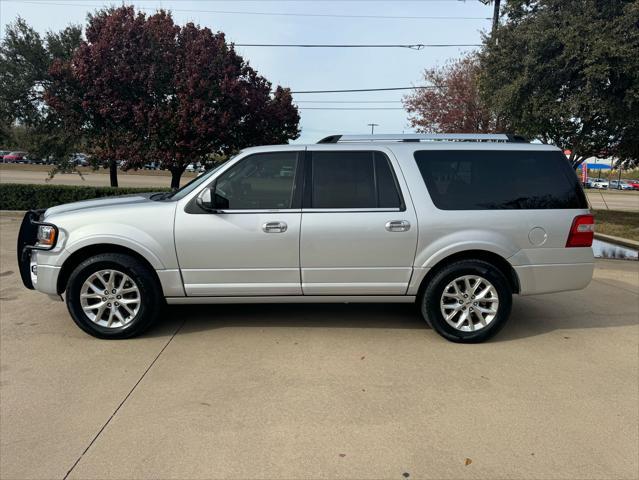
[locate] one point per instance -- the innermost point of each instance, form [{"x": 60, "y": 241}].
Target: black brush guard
[{"x": 27, "y": 239}]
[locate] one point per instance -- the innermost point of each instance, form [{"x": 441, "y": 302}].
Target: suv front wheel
[
  {"x": 467, "y": 301},
  {"x": 113, "y": 295}
]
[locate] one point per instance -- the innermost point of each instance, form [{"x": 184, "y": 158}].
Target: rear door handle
[
  {"x": 274, "y": 227},
  {"x": 398, "y": 226}
]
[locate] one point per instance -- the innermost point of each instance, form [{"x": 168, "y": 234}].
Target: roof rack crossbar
[{"x": 418, "y": 137}]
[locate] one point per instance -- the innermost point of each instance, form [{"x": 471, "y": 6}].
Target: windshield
[{"x": 196, "y": 182}]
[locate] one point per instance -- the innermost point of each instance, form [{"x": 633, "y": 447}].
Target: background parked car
[
  {"x": 3, "y": 153},
  {"x": 599, "y": 183},
  {"x": 620, "y": 185},
  {"x": 36, "y": 160},
  {"x": 634, "y": 184},
  {"x": 80, "y": 159},
  {"x": 15, "y": 157}
]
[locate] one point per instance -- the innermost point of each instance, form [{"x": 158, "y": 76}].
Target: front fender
[{"x": 160, "y": 254}]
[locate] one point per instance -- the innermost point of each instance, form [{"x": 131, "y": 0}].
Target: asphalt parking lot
[{"x": 328, "y": 391}]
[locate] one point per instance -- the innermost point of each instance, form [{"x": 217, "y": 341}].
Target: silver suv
[{"x": 455, "y": 223}]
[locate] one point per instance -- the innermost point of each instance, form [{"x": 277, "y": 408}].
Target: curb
[{"x": 624, "y": 242}]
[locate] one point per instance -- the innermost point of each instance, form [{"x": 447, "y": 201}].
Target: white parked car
[
  {"x": 454, "y": 223},
  {"x": 599, "y": 183}
]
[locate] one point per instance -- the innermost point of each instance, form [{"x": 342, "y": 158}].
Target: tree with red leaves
[
  {"x": 453, "y": 104},
  {"x": 151, "y": 90}
]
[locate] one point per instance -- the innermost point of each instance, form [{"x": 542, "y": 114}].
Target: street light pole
[{"x": 373, "y": 125}]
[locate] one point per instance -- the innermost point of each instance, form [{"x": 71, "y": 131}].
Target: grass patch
[{"x": 617, "y": 223}]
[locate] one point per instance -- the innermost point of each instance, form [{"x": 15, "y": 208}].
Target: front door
[
  {"x": 358, "y": 235},
  {"x": 250, "y": 248}
]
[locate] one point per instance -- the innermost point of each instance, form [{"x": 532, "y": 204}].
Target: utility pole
[
  {"x": 495, "y": 17},
  {"x": 496, "y": 4},
  {"x": 373, "y": 125}
]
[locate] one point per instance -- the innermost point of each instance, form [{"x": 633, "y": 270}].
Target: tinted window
[
  {"x": 262, "y": 181},
  {"x": 488, "y": 180},
  {"x": 353, "y": 180}
]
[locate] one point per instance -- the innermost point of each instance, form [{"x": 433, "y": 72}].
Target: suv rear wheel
[
  {"x": 467, "y": 301},
  {"x": 113, "y": 295}
]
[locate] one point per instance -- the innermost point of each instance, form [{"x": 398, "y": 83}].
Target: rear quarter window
[{"x": 499, "y": 180}]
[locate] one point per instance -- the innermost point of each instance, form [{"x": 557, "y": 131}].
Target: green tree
[
  {"x": 567, "y": 72},
  {"x": 25, "y": 60}
]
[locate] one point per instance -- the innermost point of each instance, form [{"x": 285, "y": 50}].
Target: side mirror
[
  {"x": 210, "y": 201},
  {"x": 204, "y": 200}
]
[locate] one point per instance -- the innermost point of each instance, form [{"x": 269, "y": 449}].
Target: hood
[{"x": 99, "y": 203}]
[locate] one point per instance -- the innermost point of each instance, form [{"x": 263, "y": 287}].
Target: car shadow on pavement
[
  {"x": 531, "y": 316},
  {"x": 208, "y": 317}
]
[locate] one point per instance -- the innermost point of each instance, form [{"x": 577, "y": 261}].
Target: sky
[{"x": 314, "y": 69}]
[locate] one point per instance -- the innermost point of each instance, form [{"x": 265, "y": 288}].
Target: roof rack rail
[{"x": 418, "y": 137}]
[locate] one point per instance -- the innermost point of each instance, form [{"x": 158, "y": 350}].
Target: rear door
[{"x": 359, "y": 230}]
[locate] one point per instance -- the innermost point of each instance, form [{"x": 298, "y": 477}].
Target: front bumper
[{"x": 27, "y": 243}]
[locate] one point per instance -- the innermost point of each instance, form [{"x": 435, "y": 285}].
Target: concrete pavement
[{"x": 328, "y": 391}]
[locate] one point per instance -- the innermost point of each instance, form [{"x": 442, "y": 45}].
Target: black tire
[
  {"x": 430, "y": 300},
  {"x": 151, "y": 298}
]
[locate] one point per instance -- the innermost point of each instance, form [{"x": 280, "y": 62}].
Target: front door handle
[
  {"x": 398, "y": 226},
  {"x": 274, "y": 227}
]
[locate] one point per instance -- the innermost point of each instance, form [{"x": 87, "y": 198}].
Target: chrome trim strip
[
  {"x": 349, "y": 210},
  {"x": 283, "y": 210},
  {"x": 295, "y": 299}
]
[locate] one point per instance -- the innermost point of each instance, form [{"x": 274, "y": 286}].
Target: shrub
[{"x": 16, "y": 196}]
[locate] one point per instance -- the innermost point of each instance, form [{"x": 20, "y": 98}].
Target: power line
[
  {"x": 413, "y": 46},
  {"x": 364, "y": 90},
  {"x": 348, "y": 101},
  {"x": 350, "y": 108},
  {"x": 276, "y": 14}
]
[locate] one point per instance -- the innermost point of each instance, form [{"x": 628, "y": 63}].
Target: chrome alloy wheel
[
  {"x": 110, "y": 298},
  {"x": 469, "y": 303}
]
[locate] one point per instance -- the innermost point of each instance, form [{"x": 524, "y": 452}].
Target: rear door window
[
  {"x": 498, "y": 179},
  {"x": 352, "y": 179}
]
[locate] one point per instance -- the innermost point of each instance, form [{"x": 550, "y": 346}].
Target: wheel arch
[
  {"x": 493, "y": 258},
  {"x": 80, "y": 255}
]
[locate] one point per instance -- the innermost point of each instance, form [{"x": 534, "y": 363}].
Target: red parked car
[
  {"x": 633, "y": 183},
  {"x": 15, "y": 157}
]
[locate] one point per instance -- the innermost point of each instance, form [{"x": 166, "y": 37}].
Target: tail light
[{"x": 582, "y": 231}]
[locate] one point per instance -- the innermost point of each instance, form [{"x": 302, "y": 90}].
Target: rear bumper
[{"x": 536, "y": 279}]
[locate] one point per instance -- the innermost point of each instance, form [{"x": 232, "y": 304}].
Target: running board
[{"x": 295, "y": 299}]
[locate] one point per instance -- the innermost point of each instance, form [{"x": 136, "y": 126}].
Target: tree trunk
[
  {"x": 577, "y": 161},
  {"x": 113, "y": 173},
  {"x": 176, "y": 174}
]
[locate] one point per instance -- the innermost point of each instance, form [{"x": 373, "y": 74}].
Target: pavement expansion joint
[{"x": 97, "y": 435}]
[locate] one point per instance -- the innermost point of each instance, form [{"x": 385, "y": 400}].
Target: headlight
[{"x": 46, "y": 235}]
